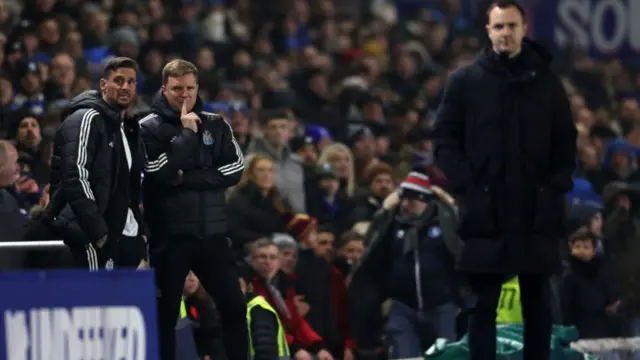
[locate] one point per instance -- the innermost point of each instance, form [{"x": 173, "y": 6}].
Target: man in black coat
[
  {"x": 192, "y": 158},
  {"x": 506, "y": 141},
  {"x": 95, "y": 174}
]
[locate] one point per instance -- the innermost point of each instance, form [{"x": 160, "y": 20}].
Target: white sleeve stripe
[
  {"x": 230, "y": 171},
  {"x": 238, "y": 164},
  {"x": 160, "y": 159},
  {"x": 146, "y": 118},
  {"x": 81, "y": 161},
  {"x": 156, "y": 167}
]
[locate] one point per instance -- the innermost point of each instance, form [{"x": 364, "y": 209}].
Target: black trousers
[
  {"x": 212, "y": 262},
  {"x": 536, "y": 311},
  {"x": 122, "y": 252}
]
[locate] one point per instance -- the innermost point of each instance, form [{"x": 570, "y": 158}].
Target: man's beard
[{"x": 117, "y": 106}]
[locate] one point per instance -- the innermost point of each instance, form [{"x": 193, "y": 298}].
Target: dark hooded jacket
[
  {"x": 92, "y": 185},
  {"x": 506, "y": 140},
  {"x": 210, "y": 161},
  {"x": 610, "y": 172}
]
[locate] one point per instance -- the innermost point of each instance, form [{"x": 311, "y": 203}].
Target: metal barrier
[{"x": 32, "y": 245}]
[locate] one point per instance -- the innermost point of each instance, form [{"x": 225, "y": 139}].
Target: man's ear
[{"x": 103, "y": 85}]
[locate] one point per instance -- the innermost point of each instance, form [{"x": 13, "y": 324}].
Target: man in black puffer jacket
[
  {"x": 95, "y": 174},
  {"x": 192, "y": 159}
]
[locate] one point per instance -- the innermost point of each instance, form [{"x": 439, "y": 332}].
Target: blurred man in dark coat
[{"x": 507, "y": 144}]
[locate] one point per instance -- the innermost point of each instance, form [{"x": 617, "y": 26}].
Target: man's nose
[
  {"x": 506, "y": 31},
  {"x": 128, "y": 86}
]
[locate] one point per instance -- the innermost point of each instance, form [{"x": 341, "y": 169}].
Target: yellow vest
[
  {"x": 509, "y": 310},
  {"x": 183, "y": 309},
  {"x": 283, "y": 347}
]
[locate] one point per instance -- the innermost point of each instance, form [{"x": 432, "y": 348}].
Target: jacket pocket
[
  {"x": 478, "y": 213},
  {"x": 550, "y": 211}
]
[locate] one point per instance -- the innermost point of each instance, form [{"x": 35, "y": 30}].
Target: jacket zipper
[
  {"x": 416, "y": 269},
  {"x": 201, "y": 209}
]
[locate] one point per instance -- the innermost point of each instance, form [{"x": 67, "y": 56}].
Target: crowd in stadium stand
[{"x": 333, "y": 106}]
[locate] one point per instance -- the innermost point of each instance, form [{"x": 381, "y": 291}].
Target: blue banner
[
  {"x": 606, "y": 28},
  {"x": 78, "y": 315}
]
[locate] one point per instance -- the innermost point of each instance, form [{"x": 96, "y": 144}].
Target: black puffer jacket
[
  {"x": 210, "y": 161},
  {"x": 91, "y": 184}
]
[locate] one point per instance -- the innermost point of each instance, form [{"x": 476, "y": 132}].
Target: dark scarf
[{"x": 415, "y": 224}]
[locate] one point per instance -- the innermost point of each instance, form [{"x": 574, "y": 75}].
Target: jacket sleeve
[
  {"x": 264, "y": 334},
  {"x": 449, "y": 135},
  {"x": 341, "y": 303},
  {"x": 80, "y": 139},
  {"x": 303, "y": 333},
  {"x": 563, "y": 141},
  {"x": 164, "y": 159},
  {"x": 229, "y": 167}
]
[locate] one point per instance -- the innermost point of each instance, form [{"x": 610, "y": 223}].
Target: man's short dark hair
[
  {"x": 583, "y": 234},
  {"x": 272, "y": 114},
  {"x": 505, "y": 4},
  {"x": 119, "y": 63}
]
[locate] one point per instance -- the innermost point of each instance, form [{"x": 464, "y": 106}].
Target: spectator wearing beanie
[
  {"x": 325, "y": 201},
  {"x": 380, "y": 184},
  {"x": 320, "y": 136},
  {"x": 313, "y": 281},
  {"x": 410, "y": 234},
  {"x": 304, "y": 146}
]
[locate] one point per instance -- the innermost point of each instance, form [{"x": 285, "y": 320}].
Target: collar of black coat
[
  {"x": 589, "y": 269},
  {"x": 92, "y": 99},
  {"x": 160, "y": 106},
  {"x": 532, "y": 60}
]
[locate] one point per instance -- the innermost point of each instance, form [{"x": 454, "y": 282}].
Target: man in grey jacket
[{"x": 289, "y": 166}]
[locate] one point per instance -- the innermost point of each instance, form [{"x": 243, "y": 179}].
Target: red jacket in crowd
[
  {"x": 341, "y": 306},
  {"x": 299, "y": 333}
]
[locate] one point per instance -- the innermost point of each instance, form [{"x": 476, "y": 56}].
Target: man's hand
[
  {"x": 324, "y": 355},
  {"x": 348, "y": 355},
  {"x": 100, "y": 243},
  {"x": 301, "y": 306},
  {"x": 613, "y": 308},
  {"x": 302, "y": 355},
  {"x": 190, "y": 120},
  {"x": 392, "y": 200},
  {"x": 26, "y": 185},
  {"x": 44, "y": 198}
]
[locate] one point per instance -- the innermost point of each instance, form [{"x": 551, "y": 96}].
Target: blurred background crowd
[{"x": 331, "y": 101}]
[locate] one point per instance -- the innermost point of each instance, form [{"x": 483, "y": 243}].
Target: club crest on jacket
[{"x": 207, "y": 138}]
